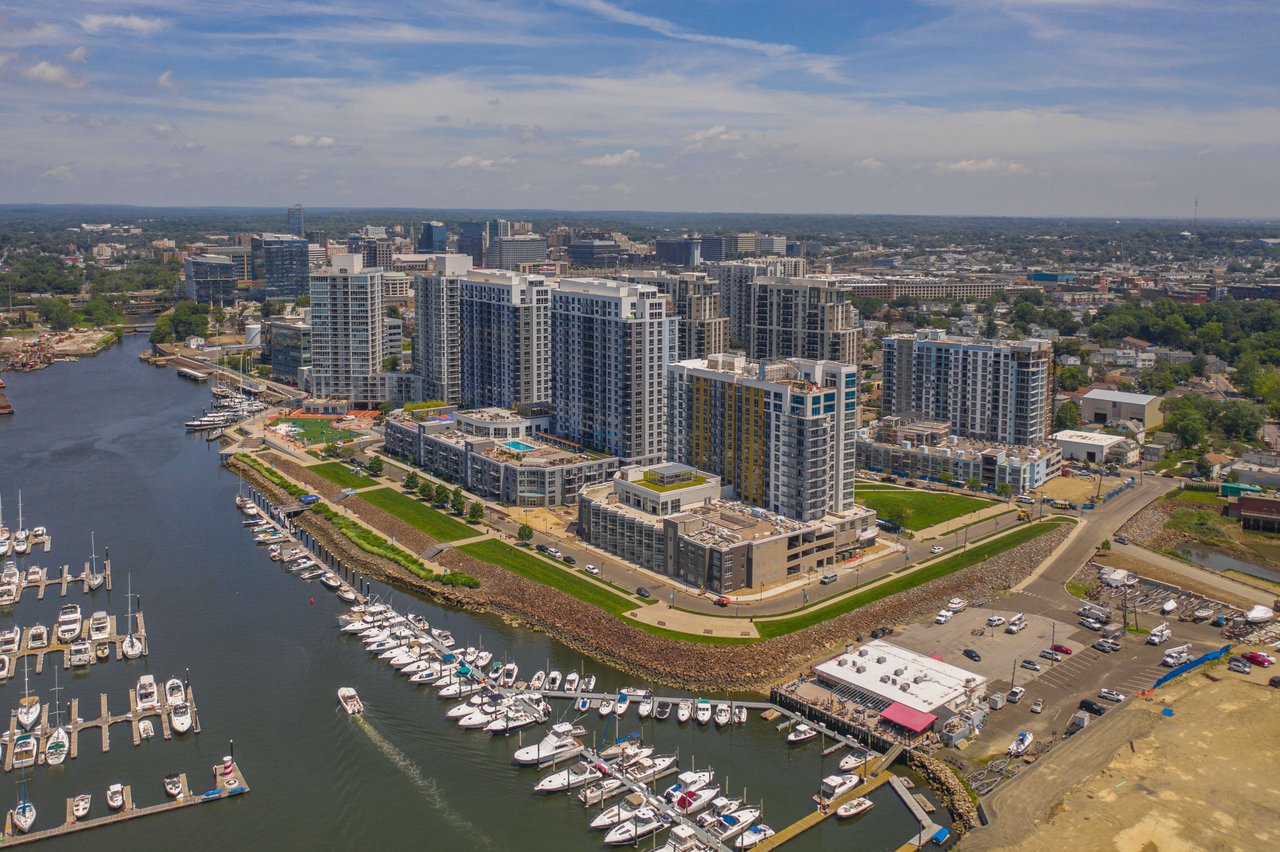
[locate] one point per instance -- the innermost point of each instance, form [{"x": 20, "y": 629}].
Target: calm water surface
[{"x": 98, "y": 446}]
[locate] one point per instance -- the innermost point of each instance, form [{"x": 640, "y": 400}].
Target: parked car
[
  {"x": 1103, "y": 645},
  {"x": 721, "y": 601},
  {"x": 910, "y": 483},
  {"x": 1111, "y": 694},
  {"x": 1031, "y": 665},
  {"x": 1258, "y": 658},
  {"x": 591, "y": 569},
  {"x": 570, "y": 560},
  {"x": 973, "y": 655},
  {"x": 551, "y": 551},
  {"x": 644, "y": 593},
  {"x": 881, "y": 631},
  {"x": 995, "y": 620},
  {"x": 1239, "y": 665},
  {"x": 1051, "y": 656},
  {"x": 1113, "y": 644},
  {"x": 1037, "y": 706},
  {"x": 1274, "y": 682},
  {"x": 1015, "y": 694},
  {"x": 1120, "y": 539},
  {"x": 1061, "y": 649},
  {"x": 1088, "y": 705},
  {"x": 541, "y": 548},
  {"x": 1090, "y": 624},
  {"x": 937, "y": 548}
]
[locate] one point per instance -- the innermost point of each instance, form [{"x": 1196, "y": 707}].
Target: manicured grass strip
[
  {"x": 340, "y": 474},
  {"x": 1203, "y": 497},
  {"x": 977, "y": 553},
  {"x": 370, "y": 542},
  {"x": 316, "y": 430},
  {"x": 272, "y": 475},
  {"x": 541, "y": 570},
  {"x": 438, "y": 525},
  {"x": 925, "y": 508}
]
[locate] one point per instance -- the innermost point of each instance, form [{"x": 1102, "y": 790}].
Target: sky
[{"x": 964, "y": 107}]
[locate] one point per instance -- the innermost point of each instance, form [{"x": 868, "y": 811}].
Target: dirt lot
[
  {"x": 1186, "y": 782},
  {"x": 1079, "y": 489}
]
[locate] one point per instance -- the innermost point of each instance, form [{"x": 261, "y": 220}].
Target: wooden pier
[
  {"x": 816, "y": 816},
  {"x": 63, "y": 580},
  {"x": 114, "y": 646},
  {"x": 227, "y": 782}
]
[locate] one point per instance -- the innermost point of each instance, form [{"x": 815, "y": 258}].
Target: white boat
[
  {"x": 509, "y": 674},
  {"x": 180, "y": 717},
  {"x": 115, "y": 796},
  {"x": 693, "y": 801},
  {"x": 80, "y": 805},
  {"x": 330, "y": 580},
  {"x": 646, "y": 708},
  {"x": 6, "y": 664},
  {"x": 1021, "y": 743},
  {"x": 131, "y": 647},
  {"x": 723, "y": 715},
  {"x": 801, "y": 733},
  {"x": 571, "y": 682},
  {"x": 512, "y": 720},
  {"x": 39, "y": 533},
  {"x": 606, "y": 707},
  {"x": 99, "y": 626},
  {"x": 466, "y": 708},
  {"x": 588, "y": 683},
  {"x": 10, "y": 639},
  {"x": 444, "y": 637},
  {"x": 558, "y": 744},
  {"x": 148, "y": 696},
  {"x": 730, "y": 825},
  {"x": 687, "y": 782},
  {"x": 553, "y": 681},
  {"x": 566, "y": 779},
  {"x": 80, "y": 652},
  {"x": 173, "y": 786},
  {"x": 34, "y": 576},
  {"x": 684, "y": 711},
  {"x": 957, "y": 604},
  {"x": 24, "y": 814},
  {"x": 1259, "y": 615},
  {"x": 69, "y": 622},
  {"x": 854, "y": 807},
  {"x": 347, "y": 594},
  {"x": 619, "y": 813},
  {"x": 28, "y": 705},
  {"x": 57, "y": 746},
  {"x": 311, "y": 573},
  {"x": 427, "y": 677},
  {"x": 648, "y": 768},
  {"x": 628, "y": 754},
  {"x": 754, "y": 835},
  {"x": 853, "y": 760},
  {"x": 350, "y": 701},
  {"x": 683, "y": 838},
  {"x": 482, "y": 716},
  {"x": 646, "y": 821},
  {"x": 621, "y": 704},
  {"x": 146, "y": 730},
  {"x": 8, "y": 594},
  {"x": 702, "y": 711},
  {"x": 25, "y": 748},
  {"x": 720, "y": 806},
  {"x": 835, "y": 786},
  {"x": 38, "y": 637},
  {"x": 601, "y": 791},
  {"x": 460, "y": 688}
]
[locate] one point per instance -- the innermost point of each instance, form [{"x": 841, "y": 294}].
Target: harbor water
[{"x": 98, "y": 447}]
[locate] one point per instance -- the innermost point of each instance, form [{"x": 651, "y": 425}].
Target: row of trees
[
  {"x": 188, "y": 319},
  {"x": 1194, "y": 418},
  {"x": 440, "y": 495},
  {"x": 58, "y": 314}
]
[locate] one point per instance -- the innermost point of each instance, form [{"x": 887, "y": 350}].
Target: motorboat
[
  {"x": 6, "y": 665},
  {"x": 69, "y": 622},
  {"x": 646, "y": 821},
  {"x": 571, "y": 682},
  {"x": 957, "y": 604},
  {"x": 180, "y": 717},
  {"x": 619, "y": 813},
  {"x": 691, "y": 802},
  {"x": 34, "y": 576},
  {"x": 24, "y": 814},
  {"x": 10, "y": 639},
  {"x": 702, "y": 711},
  {"x": 648, "y": 768},
  {"x": 115, "y": 796},
  {"x": 601, "y": 791},
  {"x": 621, "y": 704},
  {"x": 1259, "y": 614},
  {"x": 854, "y": 807},
  {"x": 426, "y": 677},
  {"x": 146, "y": 730},
  {"x": 38, "y": 637},
  {"x": 588, "y": 683},
  {"x": 39, "y": 533},
  {"x": 10, "y": 573},
  {"x": 312, "y": 573},
  {"x": 425, "y": 662},
  {"x": 57, "y": 747},
  {"x": 557, "y": 745},
  {"x": 720, "y": 806},
  {"x": 538, "y": 679},
  {"x": 662, "y": 710},
  {"x": 630, "y": 754},
  {"x": 754, "y": 835},
  {"x": 444, "y": 637},
  {"x": 553, "y": 681},
  {"x": 173, "y": 785},
  {"x": 483, "y": 659},
  {"x": 801, "y": 733},
  {"x": 730, "y": 825},
  {"x": 8, "y": 594},
  {"x": 80, "y": 805},
  {"x": 684, "y": 711},
  {"x": 739, "y": 715},
  {"x": 567, "y": 779},
  {"x": 24, "y": 751},
  {"x": 350, "y": 701},
  {"x": 99, "y": 626},
  {"x": 835, "y": 786},
  {"x": 330, "y": 580},
  {"x": 80, "y": 652},
  {"x": 102, "y": 650},
  {"x": 512, "y": 720},
  {"x": 687, "y": 782},
  {"x": 148, "y": 696},
  {"x": 584, "y": 705},
  {"x": 723, "y": 715},
  {"x": 853, "y": 760},
  {"x": 645, "y": 710},
  {"x": 466, "y": 708},
  {"x": 461, "y": 688},
  {"x": 606, "y": 707},
  {"x": 483, "y": 715},
  {"x": 1021, "y": 743},
  {"x": 1203, "y": 614},
  {"x": 683, "y": 838},
  {"x": 508, "y": 677},
  {"x": 346, "y": 594}
]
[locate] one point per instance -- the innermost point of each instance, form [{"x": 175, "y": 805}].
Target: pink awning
[{"x": 907, "y": 717}]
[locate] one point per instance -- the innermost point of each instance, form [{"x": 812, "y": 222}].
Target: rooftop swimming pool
[{"x": 518, "y": 446}]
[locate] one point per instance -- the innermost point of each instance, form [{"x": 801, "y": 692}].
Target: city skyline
[{"x": 1134, "y": 108}]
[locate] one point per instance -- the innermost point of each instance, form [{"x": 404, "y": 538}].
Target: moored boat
[
  {"x": 173, "y": 785},
  {"x": 684, "y": 711},
  {"x": 619, "y": 813},
  {"x": 148, "y": 696},
  {"x": 571, "y": 682},
  {"x": 754, "y": 835},
  {"x": 801, "y": 733},
  {"x": 702, "y": 711},
  {"x": 557, "y": 745},
  {"x": 854, "y": 807},
  {"x": 80, "y": 805},
  {"x": 723, "y": 715},
  {"x": 567, "y": 779},
  {"x": 646, "y": 822},
  {"x": 115, "y": 796}
]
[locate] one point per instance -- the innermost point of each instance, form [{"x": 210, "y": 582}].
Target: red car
[
  {"x": 1258, "y": 658},
  {"x": 1062, "y": 649}
]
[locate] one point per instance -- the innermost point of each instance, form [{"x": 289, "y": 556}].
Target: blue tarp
[{"x": 1191, "y": 664}]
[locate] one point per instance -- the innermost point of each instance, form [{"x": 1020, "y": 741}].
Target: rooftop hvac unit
[
  {"x": 860, "y": 669},
  {"x": 899, "y": 672},
  {"x": 884, "y": 678},
  {"x": 893, "y": 680},
  {"x": 968, "y": 681},
  {"x": 906, "y": 687},
  {"x": 918, "y": 679},
  {"x": 880, "y": 661},
  {"x": 863, "y": 652},
  {"x": 842, "y": 662}
]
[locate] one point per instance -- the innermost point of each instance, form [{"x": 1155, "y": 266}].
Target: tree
[
  {"x": 991, "y": 331},
  {"x": 441, "y": 496},
  {"x": 1004, "y": 489},
  {"x": 331, "y": 449},
  {"x": 1072, "y": 378},
  {"x": 163, "y": 332},
  {"x": 973, "y": 483},
  {"x": 525, "y": 534},
  {"x": 391, "y": 363},
  {"x": 56, "y": 314},
  {"x": 1066, "y": 417},
  {"x": 475, "y": 512},
  {"x": 411, "y": 481},
  {"x": 1189, "y": 426},
  {"x": 1241, "y": 420},
  {"x": 1200, "y": 365},
  {"x": 946, "y": 479},
  {"x": 302, "y": 301},
  {"x": 99, "y": 312},
  {"x": 897, "y": 515},
  {"x": 426, "y": 490},
  {"x": 457, "y": 501},
  {"x": 375, "y": 466}
]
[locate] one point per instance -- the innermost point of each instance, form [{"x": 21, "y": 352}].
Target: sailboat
[
  {"x": 95, "y": 579},
  {"x": 24, "y": 813},
  {"x": 6, "y": 540},
  {"x": 58, "y": 745},
  {"x": 21, "y": 538},
  {"x": 131, "y": 647},
  {"x": 28, "y": 705}
]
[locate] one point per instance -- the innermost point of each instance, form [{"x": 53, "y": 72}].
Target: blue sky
[{"x": 1005, "y": 107}]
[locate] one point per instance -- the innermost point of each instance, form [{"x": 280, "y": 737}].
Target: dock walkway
[{"x": 811, "y": 819}]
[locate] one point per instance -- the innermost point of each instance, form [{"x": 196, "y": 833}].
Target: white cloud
[
  {"x": 47, "y": 72},
  {"x": 301, "y": 140},
  {"x": 471, "y": 161},
  {"x": 164, "y": 128},
  {"x": 623, "y": 188},
  {"x": 871, "y": 164},
  {"x": 80, "y": 54},
  {"x": 700, "y": 140},
  {"x": 165, "y": 80},
  {"x": 609, "y": 160},
  {"x": 63, "y": 173},
  {"x": 325, "y": 142},
  {"x": 187, "y": 148},
  {"x": 991, "y": 165},
  {"x": 127, "y": 23}
]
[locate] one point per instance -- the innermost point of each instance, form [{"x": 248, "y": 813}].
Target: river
[{"x": 98, "y": 447}]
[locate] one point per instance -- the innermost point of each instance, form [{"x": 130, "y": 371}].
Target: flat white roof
[
  {"x": 1095, "y": 439},
  {"x": 1119, "y": 396},
  {"x": 930, "y": 684}
]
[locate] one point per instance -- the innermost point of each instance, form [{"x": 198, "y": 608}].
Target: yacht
[
  {"x": 444, "y": 637},
  {"x": 509, "y": 673},
  {"x": 174, "y": 692},
  {"x": 720, "y": 806},
  {"x": 723, "y": 715},
  {"x": 558, "y": 744},
  {"x": 483, "y": 659},
  {"x": 24, "y": 814},
  {"x": 461, "y": 689},
  {"x": 99, "y": 626},
  {"x": 38, "y": 637},
  {"x": 81, "y": 652},
  {"x": 663, "y": 710},
  {"x": 648, "y": 768},
  {"x": 512, "y": 720},
  {"x": 69, "y": 622},
  {"x": 835, "y": 786},
  {"x": 537, "y": 680},
  {"x": 131, "y": 647},
  {"x": 687, "y": 782},
  {"x": 6, "y": 665},
  {"x": 683, "y": 838},
  {"x": 148, "y": 697},
  {"x": 621, "y": 812},
  {"x": 24, "y": 751},
  {"x": 10, "y": 573},
  {"x": 180, "y": 717},
  {"x": 754, "y": 835},
  {"x": 853, "y": 760},
  {"x": 173, "y": 785},
  {"x": 571, "y": 682},
  {"x": 646, "y": 707},
  {"x": 350, "y": 701},
  {"x": 588, "y": 683},
  {"x": 620, "y": 706},
  {"x": 80, "y": 805},
  {"x": 21, "y": 543},
  {"x": 801, "y": 733},
  {"x": 566, "y": 779},
  {"x": 684, "y": 710},
  {"x": 483, "y": 715},
  {"x": 601, "y": 791},
  {"x": 10, "y": 639},
  {"x": 553, "y": 681},
  {"x": 703, "y": 711},
  {"x": 8, "y": 594},
  {"x": 730, "y": 825},
  {"x": 646, "y": 821},
  {"x": 115, "y": 796},
  {"x": 34, "y": 576},
  {"x": 695, "y": 800},
  {"x": 28, "y": 711}
]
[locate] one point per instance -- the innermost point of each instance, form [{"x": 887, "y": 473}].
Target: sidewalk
[{"x": 660, "y": 615}]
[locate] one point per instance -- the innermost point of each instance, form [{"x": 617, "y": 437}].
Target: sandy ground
[
  {"x": 1203, "y": 779},
  {"x": 1078, "y": 489}
]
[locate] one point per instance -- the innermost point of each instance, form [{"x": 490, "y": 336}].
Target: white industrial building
[{"x": 1091, "y": 447}]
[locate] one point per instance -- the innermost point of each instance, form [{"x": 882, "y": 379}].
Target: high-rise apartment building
[
  {"x": 802, "y": 318},
  {"x": 695, "y": 299},
  {"x": 210, "y": 279},
  {"x": 735, "y": 278},
  {"x": 990, "y": 390},
  {"x": 610, "y": 344},
  {"x": 294, "y": 221},
  {"x": 348, "y": 339},
  {"x": 783, "y": 434},
  {"x": 290, "y": 350},
  {"x": 506, "y": 351},
  {"x": 437, "y": 347},
  {"x": 679, "y": 251},
  {"x": 510, "y": 252},
  {"x": 284, "y": 265},
  {"x": 433, "y": 239},
  {"x": 499, "y": 228}
]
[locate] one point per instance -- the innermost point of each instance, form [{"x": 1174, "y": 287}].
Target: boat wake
[{"x": 427, "y": 787}]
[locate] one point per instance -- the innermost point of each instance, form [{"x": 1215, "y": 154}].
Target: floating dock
[
  {"x": 63, "y": 580},
  {"x": 103, "y": 649},
  {"x": 228, "y": 781}
]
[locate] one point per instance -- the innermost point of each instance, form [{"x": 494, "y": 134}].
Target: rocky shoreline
[
  {"x": 753, "y": 667},
  {"x": 950, "y": 790}
]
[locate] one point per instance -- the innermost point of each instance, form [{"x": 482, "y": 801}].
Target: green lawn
[
  {"x": 926, "y": 508},
  {"x": 1203, "y": 497},
  {"x": 534, "y": 567},
  {"x": 435, "y": 524},
  {"x": 340, "y": 474},
  {"x": 975, "y": 554},
  {"x": 316, "y": 430}
]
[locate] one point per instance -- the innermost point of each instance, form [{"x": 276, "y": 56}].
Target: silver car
[{"x": 1111, "y": 695}]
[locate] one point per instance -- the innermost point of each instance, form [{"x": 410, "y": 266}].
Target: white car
[
  {"x": 995, "y": 621},
  {"x": 551, "y": 551},
  {"x": 1110, "y": 695},
  {"x": 937, "y": 548},
  {"x": 1015, "y": 694},
  {"x": 591, "y": 569},
  {"x": 943, "y": 616}
]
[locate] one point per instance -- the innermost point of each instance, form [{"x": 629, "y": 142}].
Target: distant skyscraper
[
  {"x": 593, "y": 253},
  {"x": 736, "y": 279},
  {"x": 506, "y": 352},
  {"x": 210, "y": 279},
  {"x": 348, "y": 340},
  {"x": 499, "y": 228},
  {"x": 434, "y": 238},
  {"x": 713, "y": 247},
  {"x": 680, "y": 251},
  {"x": 437, "y": 348},
  {"x": 703, "y": 330},
  {"x": 293, "y": 222},
  {"x": 510, "y": 252},
  {"x": 473, "y": 240},
  {"x": 285, "y": 265}
]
